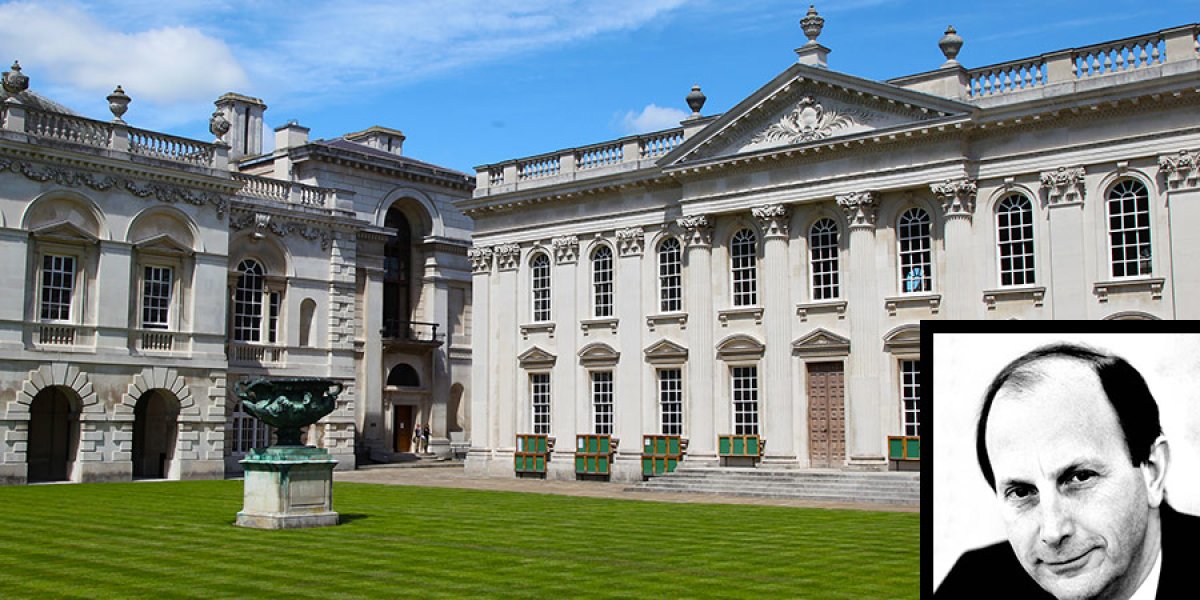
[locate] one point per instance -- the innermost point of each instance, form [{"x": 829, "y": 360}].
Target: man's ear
[{"x": 1154, "y": 471}]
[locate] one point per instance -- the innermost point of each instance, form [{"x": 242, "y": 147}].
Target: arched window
[
  {"x": 916, "y": 257},
  {"x": 744, "y": 270},
  {"x": 404, "y": 376},
  {"x": 670, "y": 280},
  {"x": 1014, "y": 234},
  {"x": 397, "y": 275},
  {"x": 541, "y": 287},
  {"x": 255, "y": 309},
  {"x": 823, "y": 253},
  {"x": 602, "y": 282},
  {"x": 1129, "y": 228}
]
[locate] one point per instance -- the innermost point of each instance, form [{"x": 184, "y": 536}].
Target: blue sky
[{"x": 473, "y": 82}]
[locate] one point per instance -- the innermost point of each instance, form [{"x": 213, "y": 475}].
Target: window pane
[
  {"x": 669, "y": 276},
  {"x": 910, "y": 396},
  {"x": 58, "y": 286},
  {"x": 1129, "y": 229},
  {"x": 744, "y": 270},
  {"x": 156, "y": 297},
  {"x": 602, "y": 282},
  {"x": 916, "y": 263},
  {"x": 745, "y": 400},
  {"x": 823, "y": 249},
  {"x": 670, "y": 396},
  {"x": 541, "y": 287},
  {"x": 248, "y": 303},
  {"x": 539, "y": 384},
  {"x": 1014, "y": 229},
  {"x": 602, "y": 402}
]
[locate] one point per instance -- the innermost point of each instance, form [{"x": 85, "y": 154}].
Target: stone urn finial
[
  {"x": 14, "y": 81},
  {"x": 812, "y": 24},
  {"x": 118, "y": 103},
  {"x": 695, "y": 100},
  {"x": 218, "y": 125},
  {"x": 950, "y": 44}
]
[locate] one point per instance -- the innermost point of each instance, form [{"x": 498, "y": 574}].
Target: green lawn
[{"x": 177, "y": 540}]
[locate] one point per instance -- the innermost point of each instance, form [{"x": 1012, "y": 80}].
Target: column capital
[
  {"x": 1181, "y": 170},
  {"x": 507, "y": 256},
  {"x": 566, "y": 249},
  {"x": 957, "y": 197},
  {"x": 1064, "y": 185},
  {"x": 774, "y": 218},
  {"x": 481, "y": 259},
  {"x": 630, "y": 241},
  {"x": 698, "y": 228},
  {"x": 860, "y": 208}
]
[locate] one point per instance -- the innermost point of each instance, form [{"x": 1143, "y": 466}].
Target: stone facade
[
  {"x": 812, "y": 227},
  {"x": 150, "y": 272}
]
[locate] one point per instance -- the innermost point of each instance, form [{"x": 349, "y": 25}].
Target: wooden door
[
  {"x": 402, "y": 427},
  {"x": 826, "y": 414}
]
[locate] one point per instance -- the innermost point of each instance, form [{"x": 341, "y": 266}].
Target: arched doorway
[
  {"x": 154, "y": 428},
  {"x": 52, "y": 434}
]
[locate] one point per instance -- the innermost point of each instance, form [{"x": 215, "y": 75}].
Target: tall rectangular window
[
  {"x": 745, "y": 400},
  {"x": 916, "y": 252},
  {"x": 539, "y": 392},
  {"x": 602, "y": 282},
  {"x": 670, "y": 400},
  {"x": 910, "y": 396},
  {"x": 248, "y": 432},
  {"x": 156, "y": 297},
  {"x": 823, "y": 250},
  {"x": 1014, "y": 233},
  {"x": 602, "y": 402},
  {"x": 58, "y": 287},
  {"x": 742, "y": 252},
  {"x": 273, "y": 317},
  {"x": 1129, "y": 228},
  {"x": 670, "y": 285},
  {"x": 541, "y": 287}
]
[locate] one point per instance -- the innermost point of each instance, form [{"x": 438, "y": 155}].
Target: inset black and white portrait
[{"x": 1064, "y": 465}]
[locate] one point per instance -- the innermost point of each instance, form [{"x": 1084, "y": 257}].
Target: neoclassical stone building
[
  {"x": 146, "y": 273},
  {"x": 765, "y": 270}
]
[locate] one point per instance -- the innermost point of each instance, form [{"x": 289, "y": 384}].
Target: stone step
[
  {"x": 859, "y": 498},
  {"x": 821, "y": 485},
  {"x": 781, "y": 489}
]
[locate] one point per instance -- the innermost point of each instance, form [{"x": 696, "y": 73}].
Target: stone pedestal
[{"x": 288, "y": 487}]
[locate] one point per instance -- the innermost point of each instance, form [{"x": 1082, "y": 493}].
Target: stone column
[
  {"x": 864, "y": 436},
  {"x": 564, "y": 379},
  {"x": 1068, "y": 287},
  {"x": 701, "y": 357},
  {"x": 481, "y": 415},
  {"x": 369, "y": 410},
  {"x": 1181, "y": 172},
  {"x": 503, "y": 359},
  {"x": 777, "y": 316},
  {"x": 960, "y": 298},
  {"x": 628, "y": 308}
]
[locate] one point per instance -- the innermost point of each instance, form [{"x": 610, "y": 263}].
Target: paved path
[{"x": 452, "y": 476}]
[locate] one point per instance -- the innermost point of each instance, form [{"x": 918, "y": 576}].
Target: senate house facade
[
  {"x": 758, "y": 272},
  {"x": 764, "y": 271}
]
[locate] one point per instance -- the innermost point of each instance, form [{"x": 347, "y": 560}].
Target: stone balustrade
[
  {"x": 292, "y": 192},
  {"x": 578, "y": 163},
  {"x": 1178, "y": 44},
  {"x": 117, "y": 138}
]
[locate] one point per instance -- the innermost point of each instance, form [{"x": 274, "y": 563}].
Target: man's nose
[{"x": 1057, "y": 524}]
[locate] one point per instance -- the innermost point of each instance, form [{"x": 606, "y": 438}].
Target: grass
[{"x": 176, "y": 539}]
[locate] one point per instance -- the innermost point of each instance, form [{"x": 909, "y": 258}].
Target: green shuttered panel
[{"x": 895, "y": 449}]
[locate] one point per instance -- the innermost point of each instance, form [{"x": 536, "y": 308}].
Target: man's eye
[
  {"x": 1081, "y": 476},
  {"x": 1019, "y": 493}
]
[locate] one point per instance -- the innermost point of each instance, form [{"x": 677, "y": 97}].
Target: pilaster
[
  {"x": 957, "y": 198},
  {"x": 628, "y": 310},
  {"x": 777, "y": 316},
  {"x": 1181, "y": 173},
  {"x": 1063, "y": 196},
  {"x": 864, "y": 436},
  {"x": 700, "y": 410},
  {"x": 481, "y": 365}
]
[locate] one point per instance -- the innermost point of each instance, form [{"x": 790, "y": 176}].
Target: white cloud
[{"x": 652, "y": 118}]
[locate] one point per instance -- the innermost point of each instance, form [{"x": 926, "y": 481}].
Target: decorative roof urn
[
  {"x": 218, "y": 125},
  {"x": 14, "y": 81},
  {"x": 812, "y": 23},
  {"x": 288, "y": 403},
  {"x": 950, "y": 44},
  {"x": 118, "y": 103},
  {"x": 695, "y": 100}
]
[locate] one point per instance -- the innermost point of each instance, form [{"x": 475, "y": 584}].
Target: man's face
[{"x": 1076, "y": 509}]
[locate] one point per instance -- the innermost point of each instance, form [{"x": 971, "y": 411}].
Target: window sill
[
  {"x": 932, "y": 301},
  {"x": 588, "y": 324},
  {"x": 740, "y": 313},
  {"x": 821, "y": 306},
  {"x": 679, "y": 318},
  {"x": 1152, "y": 285},
  {"x": 1034, "y": 294},
  {"x": 543, "y": 327}
]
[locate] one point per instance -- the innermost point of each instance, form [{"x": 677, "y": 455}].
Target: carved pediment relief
[
  {"x": 810, "y": 121},
  {"x": 822, "y": 342},
  {"x": 740, "y": 346},
  {"x": 598, "y": 354},
  {"x": 665, "y": 351},
  {"x": 162, "y": 244},
  {"x": 64, "y": 231},
  {"x": 536, "y": 358},
  {"x": 905, "y": 338}
]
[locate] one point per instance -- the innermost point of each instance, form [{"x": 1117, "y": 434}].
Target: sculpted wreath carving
[{"x": 809, "y": 121}]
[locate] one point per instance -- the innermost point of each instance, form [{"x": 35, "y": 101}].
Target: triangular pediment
[
  {"x": 822, "y": 342},
  {"x": 740, "y": 346},
  {"x": 806, "y": 106},
  {"x": 65, "y": 231},
  {"x": 598, "y": 353},
  {"x": 905, "y": 338},
  {"x": 162, "y": 244},
  {"x": 665, "y": 351},
  {"x": 536, "y": 358}
]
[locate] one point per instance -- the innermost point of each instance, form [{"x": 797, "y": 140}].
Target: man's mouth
[{"x": 1068, "y": 566}]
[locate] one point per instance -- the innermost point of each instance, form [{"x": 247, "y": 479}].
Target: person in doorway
[
  {"x": 425, "y": 439},
  {"x": 416, "y": 438}
]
